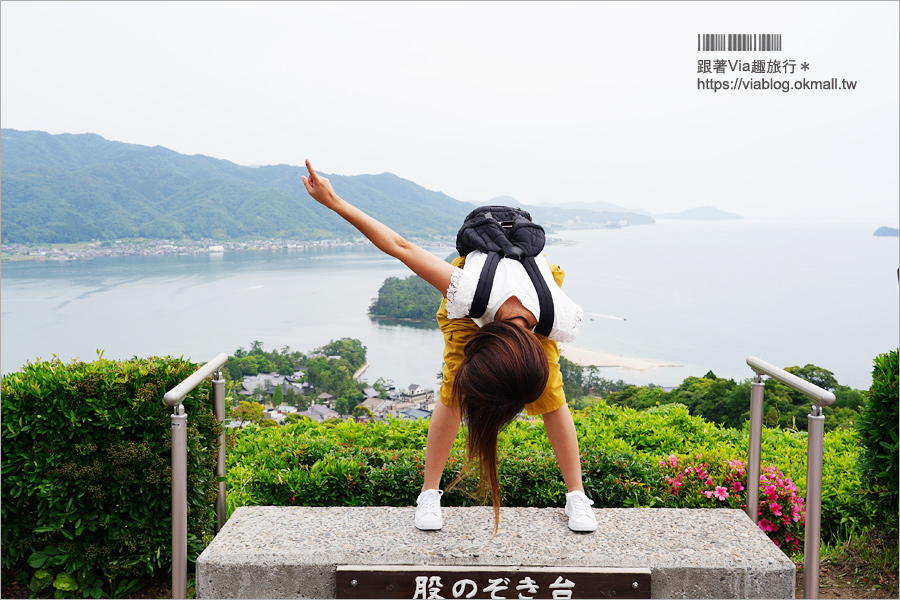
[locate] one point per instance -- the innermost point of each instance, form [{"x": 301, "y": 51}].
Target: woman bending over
[{"x": 495, "y": 366}]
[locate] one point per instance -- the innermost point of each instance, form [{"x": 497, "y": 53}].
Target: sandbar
[{"x": 592, "y": 358}]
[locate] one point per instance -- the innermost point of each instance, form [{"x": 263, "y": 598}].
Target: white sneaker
[
  {"x": 428, "y": 510},
  {"x": 581, "y": 515}
]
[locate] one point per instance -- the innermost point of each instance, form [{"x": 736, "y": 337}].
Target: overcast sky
[{"x": 545, "y": 102}]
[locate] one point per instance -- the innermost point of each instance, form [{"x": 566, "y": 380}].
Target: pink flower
[
  {"x": 708, "y": 493},
  {"x": 775, "y": 508},
  {"x": 737, "y": 486},
  {"x": 766, "y": 525},
  {"x": 709, "y": 481},
  {"x": 769, "y": 490},
  {"x": 672, "y": 460},
  {"x": 720, "y": 493}
]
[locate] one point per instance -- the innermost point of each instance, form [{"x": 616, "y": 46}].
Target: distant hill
[
  {"x": 887, "y": 232},
  {"x": 701, "y": 213},
  {"x": 600, "y": 206},
  {"x": 557, "y": 216},
  {"x": 70, "y": 188}
]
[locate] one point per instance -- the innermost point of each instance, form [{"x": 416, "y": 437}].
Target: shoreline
[{"x": 584, "y": 357}]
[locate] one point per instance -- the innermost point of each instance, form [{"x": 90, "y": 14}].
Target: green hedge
[
  {"x": 303, "y": 464},
  {"x": 878, "y": 433},
  {"x": 381, "y": 464},
  {"x": 86, "y": 471}
]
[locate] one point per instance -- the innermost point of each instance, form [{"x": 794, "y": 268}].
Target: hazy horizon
[{"x": 544, "y": 102}]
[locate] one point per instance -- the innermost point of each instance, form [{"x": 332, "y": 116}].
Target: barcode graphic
[{"x": 739, "y": 42}]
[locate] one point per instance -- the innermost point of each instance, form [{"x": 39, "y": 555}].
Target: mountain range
[
  {"x": 80, "y": 187},
  {"x": 69, "y": 188}
]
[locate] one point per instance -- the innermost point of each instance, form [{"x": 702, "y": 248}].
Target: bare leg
[
  {"x": 562, "y": 435},
  {"x": 441, "y": 435}
]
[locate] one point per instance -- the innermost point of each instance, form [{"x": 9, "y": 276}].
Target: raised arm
[{"x": 423, "y": 263}]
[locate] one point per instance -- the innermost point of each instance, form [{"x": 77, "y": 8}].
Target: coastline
[{"x": 591, "y": 358}]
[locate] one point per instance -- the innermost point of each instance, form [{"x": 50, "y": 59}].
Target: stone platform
[{"x": 293, "y": 552}]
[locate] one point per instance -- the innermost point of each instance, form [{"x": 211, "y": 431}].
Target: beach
[{"x": 593, "y": 358}]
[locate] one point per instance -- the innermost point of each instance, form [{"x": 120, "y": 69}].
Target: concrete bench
[{"x": 294, "y": 552}]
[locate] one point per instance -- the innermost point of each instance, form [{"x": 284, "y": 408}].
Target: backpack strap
[
  {"x": 485, "y": 283},
  {"x": 545, "y": 301}
]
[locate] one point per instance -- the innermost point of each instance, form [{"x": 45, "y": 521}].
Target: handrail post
[
  {"x": 815, "y": 452},
  {"x": 179, "y": 503},
  {"x": 219, "y": 398},
  {"x": 173, "y": 398},
  {"x": 754, "y": 450}
]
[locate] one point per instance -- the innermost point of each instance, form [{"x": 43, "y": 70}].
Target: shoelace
[
  {"x": 429, "y": 501},
  {"x": 581, "y": 504}
]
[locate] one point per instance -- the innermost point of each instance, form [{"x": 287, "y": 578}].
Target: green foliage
[
  {"x": 292, "y": 418},
  {"x": 878, "y": 435},
  {"x": 581, "y": 381},
  {"x": 248, "y": 411},
  {"x": 727, "y": 402},
  {"x": 258, "y": 361},
  {"x": 86, "y": 472},
  {"x": 67, "y": 188},
  {"x": 408, "y": 298},
  {"x": 381, "y": 464},
  {"x": 332, "y": 371},
  {"x": 348, "y": 349}
]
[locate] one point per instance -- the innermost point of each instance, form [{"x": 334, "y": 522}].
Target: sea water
[{"x": 701, "y": 295}]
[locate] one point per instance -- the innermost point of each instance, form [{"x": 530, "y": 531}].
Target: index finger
[{"x": 312, "y": 172}]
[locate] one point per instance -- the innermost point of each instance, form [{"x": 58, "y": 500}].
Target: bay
[{"x": 702, "y": 295}]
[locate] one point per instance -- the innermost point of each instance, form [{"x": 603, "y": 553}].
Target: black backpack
[{"x": 505, "y": 232}]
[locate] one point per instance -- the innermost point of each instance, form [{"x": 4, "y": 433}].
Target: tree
[
  {"x": 278, "y": 396},
  {"x": 360, "y": 411},
  {"x": 248, "y": 411},
  {"x": 815, "y": 375},
  {"x": 259, "y": 393},
  {"x": 347, "y": 403}
]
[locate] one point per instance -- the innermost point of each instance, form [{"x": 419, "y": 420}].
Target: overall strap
[
  {"x": 485, "y": 283},
  {"x": 545, "y": 301}
]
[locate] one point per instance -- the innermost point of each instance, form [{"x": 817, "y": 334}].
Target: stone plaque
[{"x": 500, "y": 582}]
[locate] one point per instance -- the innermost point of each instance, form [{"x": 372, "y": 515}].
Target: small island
[
  {"x": 411, "y": 298},
  {"x": 887, "y": 232}
]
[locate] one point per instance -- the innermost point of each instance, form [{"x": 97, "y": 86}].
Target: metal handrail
[
  {"x": 173, "y": 398},
  {"x": 815, "y": 451},
  {"x": 813, "y": 392}
]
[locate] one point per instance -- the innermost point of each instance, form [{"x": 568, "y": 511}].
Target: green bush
[
  {"x": 381, "y": 464},
  {"x": 87, "y": 472},
  {"x": 878, "y": 434}
]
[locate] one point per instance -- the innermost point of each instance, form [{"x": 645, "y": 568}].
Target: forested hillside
[{"x": 70, "y": 188}]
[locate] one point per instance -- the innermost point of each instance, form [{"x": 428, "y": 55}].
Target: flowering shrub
[
  {"x": 718, "y": 483},
  {"x": 698, "y": 483},
  {"x": 782, "y": 513}
]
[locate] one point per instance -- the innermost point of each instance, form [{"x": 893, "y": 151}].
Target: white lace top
[{"x": 511, "y": 279}]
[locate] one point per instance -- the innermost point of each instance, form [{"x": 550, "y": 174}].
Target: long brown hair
[{"x": 504, "y": 368}]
